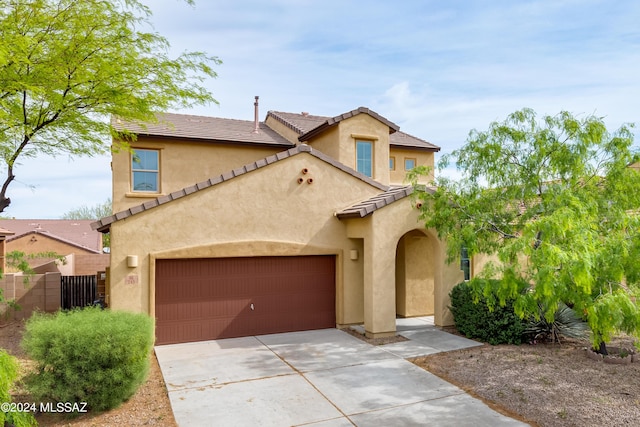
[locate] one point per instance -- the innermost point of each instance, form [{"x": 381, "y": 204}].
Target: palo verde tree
[
  {"x": 554, "y": 203},
  {"x": 66, "y": 66}
]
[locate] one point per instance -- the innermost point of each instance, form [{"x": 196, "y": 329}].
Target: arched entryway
[{"x": 416, "y": 257}]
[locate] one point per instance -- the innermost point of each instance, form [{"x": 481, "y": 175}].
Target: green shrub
[
  {"x": 474, "y": 319},
  {"x": 8, "y": 375},
  {"x": 565, "y": 322},
  {"x": 91, "y": 355}
]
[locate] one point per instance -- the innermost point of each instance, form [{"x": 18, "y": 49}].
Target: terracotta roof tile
[
  {"x": 103, "y": 224},
  {"x": 404, "y": 140},
  {"x": 205, "y": 128},
  {"x": 369, "y": 206}
]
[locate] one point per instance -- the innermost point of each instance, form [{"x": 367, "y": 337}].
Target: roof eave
[{"x": 408, "y": 147}]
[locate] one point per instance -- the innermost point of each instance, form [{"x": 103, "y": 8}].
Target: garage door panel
[{"x": 201, "y": 299}]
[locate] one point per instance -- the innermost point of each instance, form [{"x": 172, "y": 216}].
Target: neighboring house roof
[
  {"x": 70, "y": 231},
  {"x": 5, "y": 233},
  {"x": 210, "y": 129},
  {"x": 307, "y": 126},
  {"x": 103, "y": 224}
]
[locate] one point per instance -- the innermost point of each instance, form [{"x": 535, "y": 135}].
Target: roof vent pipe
[{"x": 256, "y": 123}]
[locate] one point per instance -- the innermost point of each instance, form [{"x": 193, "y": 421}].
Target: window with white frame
[{"x": 145, "y": 170}]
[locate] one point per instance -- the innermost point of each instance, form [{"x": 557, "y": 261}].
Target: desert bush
[
  {"x": 8, "y": 376},
  {"x": 565, "y": 322},
  {"x": 475, "y": 319},
  {"x": 91, "y": 355}
]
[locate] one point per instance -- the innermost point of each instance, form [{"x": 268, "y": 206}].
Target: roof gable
[
  {"x": 103, "y": 224},
  {"x": 333, "y": 121},
  {"x": 307, "y": 126}
]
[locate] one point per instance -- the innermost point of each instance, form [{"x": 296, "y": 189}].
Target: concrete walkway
[{"x": 324, "y": 378}]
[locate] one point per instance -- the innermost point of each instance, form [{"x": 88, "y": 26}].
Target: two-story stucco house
[{"x": 226, "y": 228}]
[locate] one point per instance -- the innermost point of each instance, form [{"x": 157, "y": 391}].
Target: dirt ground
[
  {"x": 148, "y": 407},
  {"x": 543, "y": 385}
]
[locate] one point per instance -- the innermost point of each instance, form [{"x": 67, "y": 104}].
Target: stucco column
[{"x": 379, "y": 286}]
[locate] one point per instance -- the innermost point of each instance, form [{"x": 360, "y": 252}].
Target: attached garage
[{"x": 212, "y": 298}]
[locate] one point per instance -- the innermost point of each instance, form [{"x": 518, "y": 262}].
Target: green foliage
[
  {"x": 66, "y": 66},
  {"x": 95, "y": 212},
  {"x": 89, "y": 355},
  {"x": 8, "y": 375},
  {"x": 565, "y": 322},
  {"x": 554, "y": 203},
  {"x": 477, "y": 317}
]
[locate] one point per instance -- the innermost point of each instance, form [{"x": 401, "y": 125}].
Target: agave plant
[{"x": 565, "y": 322}]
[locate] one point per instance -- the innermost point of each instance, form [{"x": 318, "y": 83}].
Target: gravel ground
[{"x": 545, "y": 384}]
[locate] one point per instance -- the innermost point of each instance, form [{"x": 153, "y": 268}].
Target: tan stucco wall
[
  {"x": 339, "y": 142},
  {"x": 178, "y": 161},
  {"x": 381, "y": 233},
  {"x": 423, "y": 158},
  {"x": 328, "y": 143},
  {"x": 284, "y": 131},
  {"x": 264, "y": 212},
  {"x": 415, "y": 272}
]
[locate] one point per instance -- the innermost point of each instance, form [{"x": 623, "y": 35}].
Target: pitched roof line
[
  {"x": 103, "y": 224},
  {"x": 372, "y": 204},
  {"x": 332, "y": 121}
]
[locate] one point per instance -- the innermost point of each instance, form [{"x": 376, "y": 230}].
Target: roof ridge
[{"x": 279, "y": 118}]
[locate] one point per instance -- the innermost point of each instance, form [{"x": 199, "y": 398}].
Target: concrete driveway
[{"x": 323, "y": 378}]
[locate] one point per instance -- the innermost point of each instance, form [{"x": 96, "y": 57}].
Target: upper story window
[
  {"x": 145, "y": 170},
  {"x": 364, "y": 157},
  {"x": 392, "y": 163},
  {"x": 409, "y": 164}
]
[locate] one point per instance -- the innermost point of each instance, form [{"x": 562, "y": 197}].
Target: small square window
[
  {"x": 409, "y": 164},
  {"x": 145, "y": 170},
  {"x": 392, "y": 163}
]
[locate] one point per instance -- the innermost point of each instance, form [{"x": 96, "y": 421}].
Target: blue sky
[{"x": 437, "y": 69}]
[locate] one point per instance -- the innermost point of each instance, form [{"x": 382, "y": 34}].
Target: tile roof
[
  {"x": 73, "y": 232},
  {"x": 372, "y": 204},
  {"x": 404, "y": 140},
  {"x": 307, "y": 125},
  {"x": 205, "y": 128},
  {"x": 103, "y": 224}
]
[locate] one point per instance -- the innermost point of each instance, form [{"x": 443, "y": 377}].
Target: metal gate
[{"x": 77, "y": 291}]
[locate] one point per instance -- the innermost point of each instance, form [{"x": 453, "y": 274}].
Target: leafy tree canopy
[
  {"x": 554, "y": 203},
  {"x": 66, "y": 66},
  {"x": 95, "y": 212}
]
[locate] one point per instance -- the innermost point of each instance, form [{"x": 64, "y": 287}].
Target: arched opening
[{"x": 415, "y": 274}]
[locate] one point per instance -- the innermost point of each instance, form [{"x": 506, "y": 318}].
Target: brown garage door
[{"x": 204, "y": 299}]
